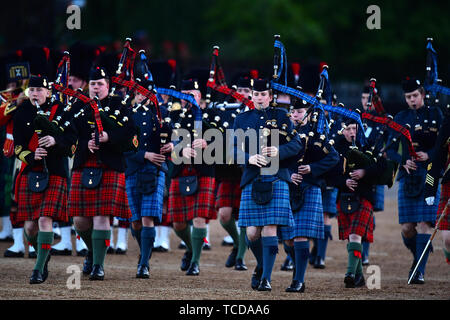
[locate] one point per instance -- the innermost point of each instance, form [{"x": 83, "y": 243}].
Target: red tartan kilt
[
  {"x": 50, "y": 203},
  {"x": 200, "y": 205},
  {"x": 108, "y": 199},
  {"x": 228, "y": 194},
  {"x": 445, "y": 194},
  {"x": 165, "y": 217},
  {"x": 359, "y": 222}
]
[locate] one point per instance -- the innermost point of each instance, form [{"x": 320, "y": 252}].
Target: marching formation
[{"x": 274, "y": 159}]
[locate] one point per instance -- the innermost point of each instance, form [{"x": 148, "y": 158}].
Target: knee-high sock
[
  {"x": 242, "y": 244},
  {"x": 313, "y": 253},
  {"x": 447, "y": 255},
  {"x": 230, "y": 227},
  {"x": 87, "y": 237},
  {"x": 137, "y": 236},
  {"x": 32, "y": 240},
  {"x": 323, "y": 243},
  {"x": 198, "y": 234},
  {"x": 410, "y": 243},
  {"x": 147, "y": 240},
  {"x": 185, "y": 235},
  {"x": 421, "y": 242},
  {"x": 44, "y": 241},
  {"x": 301, "y": 259},
  {"x": 290, "y": 251},
  {"x": 270, "y": 250},
  {"x": 256, "y": 247},
  {"x": 99, "y": 245},
  {"x": 354, "y": 256},
  {"x": 366, "y": 248}
]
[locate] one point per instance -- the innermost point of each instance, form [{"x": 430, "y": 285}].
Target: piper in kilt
[
  {"x": 441, "y": 163},
  {"x": 37, "y": 207},
  {"x": 415, "y": 217},
  {"x": 263, "y": 215},
  {"x": 145, "y": 177},
  {"x": 97, "y": 189},
  {"x": 307, "y": 174},
  {"x": 355, "y": 203},
  {"x": 191, "y": 194}
]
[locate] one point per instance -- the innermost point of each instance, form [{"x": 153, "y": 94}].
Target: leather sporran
[
  {"x": 414, "y": 184},
  {"x": 188, "y": 185},
  {"x": 38, "y": 181},
  {"x": 297, "y": 196},
  {"x": 91, "y": 177},
  {"x": 262, "y": 191},
  {"x": 349, "y": 202}
]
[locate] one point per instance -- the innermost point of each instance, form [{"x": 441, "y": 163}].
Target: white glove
[{"x": 430, "y": 201}]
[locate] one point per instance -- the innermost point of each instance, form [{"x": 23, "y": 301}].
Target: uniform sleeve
[
  {"x": 392, "y": 151},
  {"x": 293, "y": 147},
  {"x": 318, "y": 168},
  {"x": 22, "y": 135}
]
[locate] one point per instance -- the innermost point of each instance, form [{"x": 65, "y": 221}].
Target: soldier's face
[
  {"x": 76, "y": 83},
  {"x": 196, "y": 93},
  {"x": 37, "y": 94},
  {"x": 244, "y": 91},
  {"x": 99, "y": 88},
  {"x": 364, "y": 100},
  {"x": 261, "y": 98},
  {"x": 414, "y": 99},
  {"x": 350, "y": 132},
  {"x": 297, "y": 115},
  {"x": 139, "y": 97}
]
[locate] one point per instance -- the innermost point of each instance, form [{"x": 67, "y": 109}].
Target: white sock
[
  {"x": 165, "y": 236},
  {"x": 207, "y": 232},
  {"x": 18, "y": 245},
  {"x": 80, "y": 244},
  {"x": 122, "y": 237},
  {"x": 31, "y": 249},
  {"x": 66, "y": 239},
  {"x": 7, "y": 229},
  {"x": 158, "y": 232},
  {"x": 111, "y": 240}
]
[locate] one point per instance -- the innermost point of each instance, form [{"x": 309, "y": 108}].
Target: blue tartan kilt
[
  {"x": 308, "y": 220},
  {"x": 276, "y": 212},
  {"x": 329, "y": 201},
  {"x": 145, "y": 205},
  {"x": 378, "y": 198},
  {"x": 415, "y": 209}
]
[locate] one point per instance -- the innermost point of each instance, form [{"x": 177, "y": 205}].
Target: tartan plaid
[
  {"x": 228, "y": 194},
  {"x": 329, "y": 199},
  {"x": 445, "y": 194},
  {"x": 309, "y": 219},
  {"x": 50, "y": 203},
  {"x": 200, "y": 205},
  {"x": 415, "y": 209},
  {"x": 378, "y": 198},
  {"x": 143, "y": 205},
  {"x": 109, "y": 198},
  {"x": 359, "y": 222},
  {"x": 276, "y": 212}
]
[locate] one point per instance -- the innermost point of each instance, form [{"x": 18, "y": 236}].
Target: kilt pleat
[
  {"x": 50, "y": 203},
  {"x": 276, "y": 212},
  {"x": 145, "y": 205},
  {"x": 415, "y": 209},
  {"x": 309, "y": 219},
  {"x": 359, "y": 222},
  {"x": 445, "y": 194},
  {"x": 329, "y": 199},
  {"x": 228, "y": 194},
  {"x": 108, "y": 199},
  {"x": 199, "y": 205}
]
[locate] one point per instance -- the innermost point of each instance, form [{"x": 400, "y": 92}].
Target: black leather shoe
[
  {"x": 181, "y": 246},
  {"x": 12, "y": 254},
  {"x": 32, "y": 255},
  {"x": 226, "y": 244},
  {"x": 296, "y": 286},
  {"x": 359, "y": 280},
  {"x": 256, "y": 278},
  {"x": 287, "y": 265},
  {"x": 120, "y": 251},
  {"x": 82, "y": 253},
  {"x": 64, "y": 252},
  {"x": 240, "y": 265},
  {"x": 264, "y": 285},
  {"x": 7, "y": 239},
  {"x": 88, "y": 262},
  {"x": 110, "y": 250},
  {"x": 160, "y": 249},
  {"x": 319, "y": 263},
  {"x": 45, "y": 271},
  {"x": 143, "y": 272},
  {"x": 418, "y": 278},
  {"x": 231, "y": 261},
  {"x": 206, "y": 246},
  {"x": 36, "y": 277},
  {"x": 186, "y": 261},
  {"x": 349, "y": 280},
  {"x": 193, "y": 269},
  {"x": 97, "y": 273}
]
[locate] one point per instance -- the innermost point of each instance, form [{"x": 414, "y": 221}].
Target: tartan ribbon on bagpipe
[
  {"x": 183, "y": 96},
  {"x": 376, "y": 100},
  {"x": 283, "y": 60},
  {"x": 431, "y": 84},
  {"x": 131, "y": 85},
  {"x": 394, "y": 126},
  {"x": 72, "y": 93},
  {"x": 217, "y": 81}
]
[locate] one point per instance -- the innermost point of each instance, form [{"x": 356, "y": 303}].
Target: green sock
[
  {"x": 197, "y": 243},
  {"x": 44, "y": 241},
  {"x": 185, "y": 235},
  {"x": 32, "y": 240},
  {"x": 99, "y": 247},
  {"x": 230, "y": 227},
  {"x": 359, "y": 268},
  {"x": 447, "y": 254},
  {"x": 242, "y": 244},
  {"x": 354, "y": 253},
  {"x": 87, "y": 237}
]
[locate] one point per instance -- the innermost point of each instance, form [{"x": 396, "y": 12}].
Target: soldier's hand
[
  {"x": 257, "y": 160},
  {"x": 189, "y": 153},
  {"x": 410, "y": 165},
  {"x": 155, "y": 158},
  {"x": 269, "y": 151},
  {"x": 304, "y": 169},
  {"x": 47, "y": 141},
  {"x": 102, "y": 137},
  {"x": 429, "y": 201},
  {"x": 92, "y": 146},
  {"x": 422, "y": 156},
  {"x": 40, "y": 153},
  {"x": 167, "y": 148},
  {"x": 351, "y": 184},
  {"x": 199, "y": 143},
  {"x": 296, "y": 178},
  {"x": 357, "y": 174}
]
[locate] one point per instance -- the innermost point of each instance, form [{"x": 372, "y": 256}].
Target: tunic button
[
  {"x": 144, "y": 123},
  {"x": 145, "y": 133},
  {"x": 144, "y": 114}
]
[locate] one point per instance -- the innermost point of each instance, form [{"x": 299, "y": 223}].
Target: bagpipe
[{"x": 432, "y": 82}]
